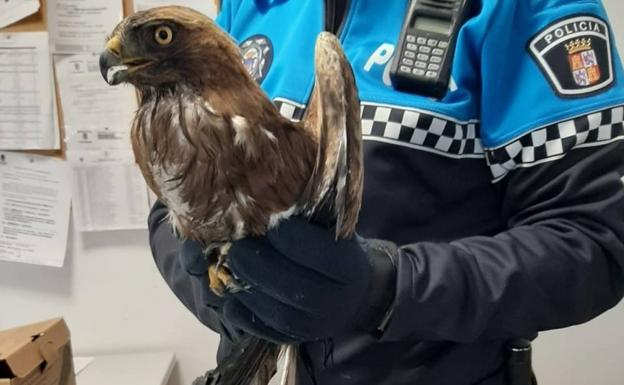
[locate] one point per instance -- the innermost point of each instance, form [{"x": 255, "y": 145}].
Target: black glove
[
  {"x": 195, "y": 263},
  {"x": 305, "y": 286}
]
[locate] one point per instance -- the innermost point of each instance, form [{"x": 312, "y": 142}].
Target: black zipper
[{"x": 335, "y": 15}]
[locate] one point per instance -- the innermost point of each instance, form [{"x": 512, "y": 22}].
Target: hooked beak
[{"x": 111, "y": 66}]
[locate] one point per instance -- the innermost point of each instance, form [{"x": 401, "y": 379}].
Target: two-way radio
[{"x": 424, "y": 56}]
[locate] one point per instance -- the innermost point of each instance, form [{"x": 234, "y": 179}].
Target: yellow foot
[{"x": 219, "y": 277}]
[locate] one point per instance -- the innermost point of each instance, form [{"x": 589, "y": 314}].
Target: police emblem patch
[
  {"x": 575, "y": 55},
  {"x": 257, "y": 54}
]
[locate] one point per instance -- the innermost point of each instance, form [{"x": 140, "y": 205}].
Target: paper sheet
[
  {"x": 14, "y": 10},
  {"x": 206, "y": 7},
  {"x": 81, "y": 363},
  {"x": 96, "y": 115},
  {"x": 109, "y": 191},
  {"x": 34, "y": 208},
  {"x": 82, "y": 25},
  {"x": 26, "y": 102}
]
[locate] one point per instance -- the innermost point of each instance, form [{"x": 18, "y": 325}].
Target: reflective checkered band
[
  {"x": 421, "y": 130},
  {"x": 554, "y": 141},
  {"x": 289, "y": 109}
]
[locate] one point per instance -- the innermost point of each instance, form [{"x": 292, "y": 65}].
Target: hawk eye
[{"x": 163, "y": 35}]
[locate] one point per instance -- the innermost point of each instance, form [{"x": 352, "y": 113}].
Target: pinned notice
[
  {"x": 204, "y": 6},
  {"x": 82, "y": 25},
  {"x": 26, "y": 102},
  {"x": 15, "y": 10},
  {"x": 96, "y": 116},
  {"x": 109, "y": 191},
  {"x": 34, "y": 208}
]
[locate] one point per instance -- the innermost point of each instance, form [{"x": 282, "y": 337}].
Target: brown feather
[
  {"x": 333, "y": 120},
  {"x": 185, "y": 139},
  {"x": 216, "y": 151},
  {"x": 204, "y": 168}
]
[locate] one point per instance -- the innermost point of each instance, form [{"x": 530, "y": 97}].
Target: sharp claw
[{"x": 233, "y": 287}]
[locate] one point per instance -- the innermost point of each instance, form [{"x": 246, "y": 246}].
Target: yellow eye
[{"x": 163, "y": 35}]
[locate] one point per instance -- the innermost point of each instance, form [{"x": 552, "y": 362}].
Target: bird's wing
[{"x": 333, "y": 118}]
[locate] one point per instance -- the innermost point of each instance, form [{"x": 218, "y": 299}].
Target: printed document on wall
[
  {"x": 206, "y": 7},
  {"x": 26, "y": 93},
  {"x": 34, "y": 208},
  {"x": 96, "y": 115},
  {"x": 82, "y": 25},
  {"x": 15, "y": 10},
  {"x": 109, "y": 192}
]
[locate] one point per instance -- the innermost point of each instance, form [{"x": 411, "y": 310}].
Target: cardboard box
[{"x": 38, "y": 354}]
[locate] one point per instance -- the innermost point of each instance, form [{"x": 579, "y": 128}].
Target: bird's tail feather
[
  {"x": 252, "y": 361},
  {"x": 289, "y": 376}
]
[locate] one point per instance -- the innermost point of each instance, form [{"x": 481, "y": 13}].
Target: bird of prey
[{"x": 217, "y": 152}]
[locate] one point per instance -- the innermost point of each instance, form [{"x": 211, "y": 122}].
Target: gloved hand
[
  {"x": 305, "y": 286},
  {"x": 195, "y": 263}
]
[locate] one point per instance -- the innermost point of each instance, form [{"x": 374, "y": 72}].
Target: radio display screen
[{"x": 432, "y": 24}]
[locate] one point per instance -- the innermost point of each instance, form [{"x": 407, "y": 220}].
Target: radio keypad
[{"x": 422, "y": 56}]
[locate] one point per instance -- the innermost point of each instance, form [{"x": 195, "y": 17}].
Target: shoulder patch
[
  {"x": 575, "y": 55},
  {"x": 257, "y": 54}
]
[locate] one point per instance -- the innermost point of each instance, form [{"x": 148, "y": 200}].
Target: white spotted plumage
[
  {"x": 276, "y": 218},
  {"x": 241, "y": 129}
]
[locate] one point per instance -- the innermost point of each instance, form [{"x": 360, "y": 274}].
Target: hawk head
[{"x": 169, "y": 45}]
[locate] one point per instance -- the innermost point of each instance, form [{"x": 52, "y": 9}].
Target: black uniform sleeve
[
  {"x": 560, "y": 263},
  {"x": 188, "y": 289}
]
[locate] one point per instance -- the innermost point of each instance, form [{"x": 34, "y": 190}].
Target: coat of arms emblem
[
  {"x": 583, "y": 62},
  {"x": 575, "y": 55}
]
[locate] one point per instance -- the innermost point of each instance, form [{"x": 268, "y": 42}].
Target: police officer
[{"x": 500, "y": 205}]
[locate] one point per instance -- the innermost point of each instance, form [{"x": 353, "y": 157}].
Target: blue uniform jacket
[{"x": 506, "y": 195}]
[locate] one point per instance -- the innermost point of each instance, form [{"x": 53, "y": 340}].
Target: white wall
[{"x": 114, "y": 300}]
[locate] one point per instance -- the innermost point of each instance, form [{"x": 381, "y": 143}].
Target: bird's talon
[{"x": 215, "y": 283}]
